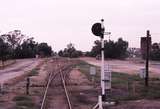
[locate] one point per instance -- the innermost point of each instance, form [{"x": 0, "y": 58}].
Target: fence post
[
  {"x": 27, "y": 85},
  {"x": 1, "y": 87}
]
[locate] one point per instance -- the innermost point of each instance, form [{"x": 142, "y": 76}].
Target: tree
[
  {"x": 28, "y": 49},
  {"x": 14, "y": 39},
  {"x": 155, "y": 46},
  {"x": 4, "y": 51},
  {"x": 60, "y": 53},
  {"x": 121, "y": 47},
  {"x": 70, "y": 51},
  {"x": 112, "y": 49},
  {"x": 20, "y": 46},
  {"x": 44, "y": 50},
  {"x": 96, "y": 49},
  {"x": 155, "y": 52}
]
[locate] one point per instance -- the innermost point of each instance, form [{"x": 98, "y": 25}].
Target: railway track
[{"x": 57, "y": 81}]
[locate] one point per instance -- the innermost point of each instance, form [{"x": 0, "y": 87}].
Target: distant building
[{"x": 144, "y": 46}]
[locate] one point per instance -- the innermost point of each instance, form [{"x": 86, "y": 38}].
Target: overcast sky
[{"x": 59, "y": 22}]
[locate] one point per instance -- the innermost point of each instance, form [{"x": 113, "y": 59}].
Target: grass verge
[
  {"x": 125, "y": 86},
  {"x": 23, "y": 102},
  {"x": 34, "y": 72}
]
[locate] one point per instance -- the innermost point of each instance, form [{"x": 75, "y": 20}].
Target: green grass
[
  {"x": 34, "y": 72},
  {"x": 85, "y": 68},
  {"x": 21, "y": 98},
  {"x": 23, "y": 102},
  {"x": 125, "y": 86}
]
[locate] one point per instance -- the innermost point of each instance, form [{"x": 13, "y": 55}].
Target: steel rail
[
  {"x": 46, "y": 90},
  {"x": 51, "y": 77},
  {"x": 66, "y": 92}
]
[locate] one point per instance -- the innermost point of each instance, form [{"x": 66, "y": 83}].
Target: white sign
[
  {"x": 107, "y": 76},
  {"x": 92, "y": 71},
  {"x": 142, "y": 73}
]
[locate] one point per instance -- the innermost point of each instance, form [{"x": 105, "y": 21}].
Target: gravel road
[{"x": 17, "y": 69}]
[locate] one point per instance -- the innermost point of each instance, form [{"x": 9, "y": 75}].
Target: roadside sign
[{"x": 92, "y": 71}]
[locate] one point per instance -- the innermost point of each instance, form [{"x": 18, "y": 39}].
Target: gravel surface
[{"x": 17, "y": 69}]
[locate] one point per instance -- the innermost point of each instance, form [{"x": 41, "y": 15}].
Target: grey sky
[{"x": 60, "y": 22}]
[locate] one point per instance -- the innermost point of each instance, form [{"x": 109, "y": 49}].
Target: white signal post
[
  {"x": 98, "y": 29},
  {"x": 103, "y": 79},
  {"x": 102, "y": 60},
  {"x": 102, "y": 68},
  {"x": 102, "y": 97}
]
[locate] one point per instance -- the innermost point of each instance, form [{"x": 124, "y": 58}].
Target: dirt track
[
  {"x": 130, "y": 67},
  {"x": 17, "y": 69}
]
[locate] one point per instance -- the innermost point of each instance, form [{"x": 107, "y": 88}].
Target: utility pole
[{"x": 147, "y": 60}]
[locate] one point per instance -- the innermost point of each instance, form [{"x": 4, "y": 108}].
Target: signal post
[{"x": 98, "y": 29}]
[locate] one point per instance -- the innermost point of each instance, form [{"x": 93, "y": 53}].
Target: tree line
[
  {"x": 113, "y": 50},
  {"x": 119, "y": 50},
  {"x": 70, "y": 51},
  {"x": 116, "y": 50},
  {"x": 15, "y": 45}
]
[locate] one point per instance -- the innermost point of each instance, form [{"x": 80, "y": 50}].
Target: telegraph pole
[{"x": 147, "y": 60}]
